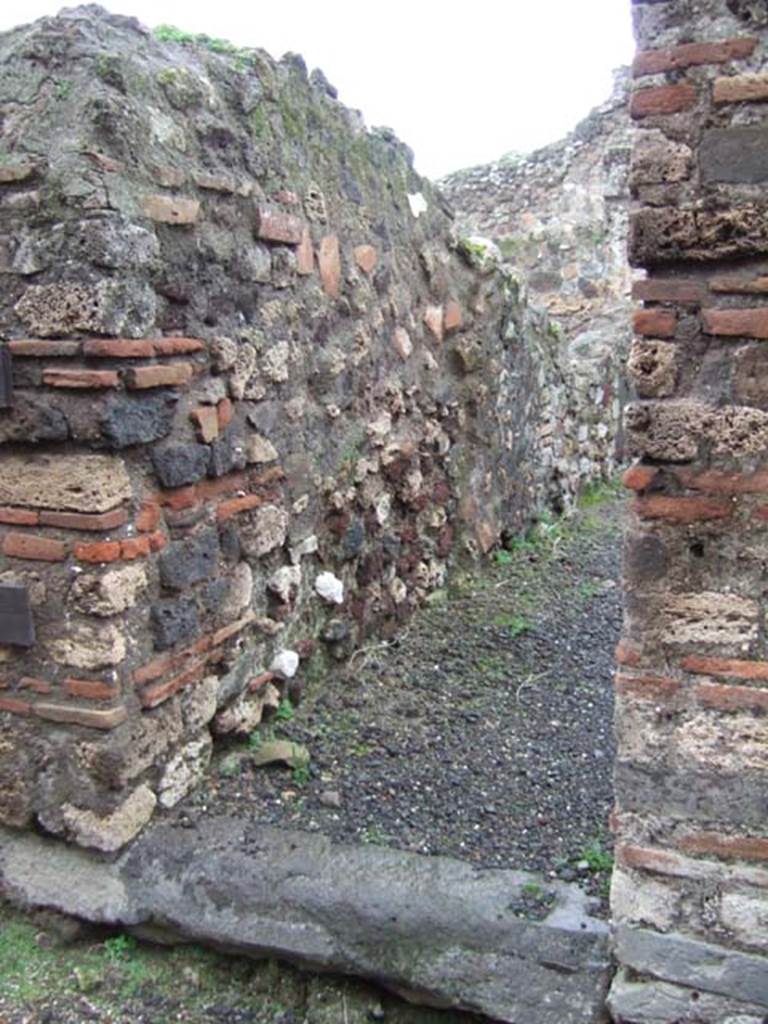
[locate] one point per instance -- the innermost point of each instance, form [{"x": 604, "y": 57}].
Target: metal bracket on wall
[
  {"x": 6, "y": 380},
  {"x": 16, "y": 623}
]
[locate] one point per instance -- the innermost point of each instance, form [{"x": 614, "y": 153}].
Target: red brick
[
  {"x": 84, "y": 520},
  {"x": 148, "y": 518},
  {"x": 735, "y": 668},
  {"x": 27, "y": 545},
  {"x": 751, "y": 323},
  {"x": 738, "y": 847},
  {"x": 225, "y": 412},
  {"x": 153, "y": 669},
  {"x": 626, "y": 653},
  {"x": 175, "y": 375},
  {"x": 658, "y": 323},
  {"x": 15, "y": 706},
  {"x": 329, "y": 263},
  {"x": 91, "y": 379},
  {"x": 654, "y": 289},
  {"x": 208, "y": 489},
  {"x": 656, "y": 688},
  {"x": 43, "y": 348},
  {"x": 686, "y": 55},
  {"x": 717, "y": 482},
  {"x": 731, "y": 698},
  {"x": 119, "y": 348},
  {"x": 182, "y": 497},
  {"x": 170, "y": 209},
  {"x": 154, "y": 695},
  {"x": 99, "y": 551},
  {"x": 740, "y": 88},
  {"x": 177, "y": 346},
  {"x": 267, "y": 476},
  {"x": 740, "y": 284},
  {"x": 226, "y": 632},
  {"x": 305, "y": 255},
  {"x": 234, "y": 506},
  {"x": 662, "y": 99},
  {"x": 134, "y": 547},
  {"x": 639, "y": 477},
  {"x": 261, "y": 680},
  {"x": 452, "y": 318},
  {"x": 277, "y": 226},
  {"x": 36, "y": 685},
  {"x": 89, "y": 689},
  {"x": 18, "y": 516},
  {"x": 682, "y": 510},
  {"x": 662, "y": 862},
  {"x": 366, "y": 257},
  {"x": 286, "y": 197},
  {"x": 206, "y": 419},
  {"x": 92, "y": 718}
]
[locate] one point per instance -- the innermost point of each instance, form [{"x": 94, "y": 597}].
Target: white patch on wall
[{"x": 418, "y": 203}]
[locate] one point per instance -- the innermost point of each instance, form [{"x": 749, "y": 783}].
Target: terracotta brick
[
  {"x": 226, "y": 632},
  {"x": 15, "y": 706},
  {"x": 366, "y": 257},
  {"x": 717, "y": 482},
  {"x": 180, "y": 498},
  {"x": 154, "y": 695},
  {"x": 277, "y": 226},
  {"x": 639, "y": 477},
  {"x": 206, "y": 419},
  {"x": 208, "y": 489},
  {"x": 157, "y": 540},
  {"x": 119, "y": 348},
  {"x": 91, "y": 718},
  {"x": 134, "y": 547},
  {"x": 452, "y": 318},
  {"x": 170, "y": 209},
  {"x": 148, "y": 518},
  {"x": 655, "y": 688},
  {"x": 177, "y": 346},
  {"x": 662, "y": 99},
  {"x": 657, "y": 323},
  {"x": 261, "y": 680},
  {"x": 85, "y": 379},
  {"x": 654, "y": 289},
  {"x": 225, "y": 412},
  {"x": 740, "y": 847},
  {"x": 740, "y": 88},
  {"x": 661, "y": 862},
  {"x": 90, "y": 689},
  {"x": 153, "y": 669},
  {"x": 653, "y": 62},
  {"x": 18, "y": 516},
  {"x": 41, "y": 349},
  {"x": 736, "y": 668},
  {"x": 682, "y": 510},
  {"x": 329, "y": 263},
  {"x": 27, "y": 545},
  {"x": 752, "y": 323},
  {"x": 740, "y": 284},
  {"x": 34, "y": 684},
  {"x": 234, "y": 506},
  {"x": 99, "y": 551},
  {"x": 305, "y": 255},
  {"x": 176, "y": 375},
  {"x": 626, "y": 653},
  {"x": 731, "y": 698},
  {"x": 286, "y": 197},
  {"x": 84, "y": 520}
]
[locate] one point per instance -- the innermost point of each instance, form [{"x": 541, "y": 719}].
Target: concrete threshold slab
[{"x": 434, "y": 930}]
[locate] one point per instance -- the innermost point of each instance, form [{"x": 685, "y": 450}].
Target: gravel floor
[{"x": 483, "y": 732}]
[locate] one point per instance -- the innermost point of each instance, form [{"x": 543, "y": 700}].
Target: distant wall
[
  {"x": 559, "y": 217},
  {"x": 690, "y": 890},
  {"x": 256, "y": 398}
]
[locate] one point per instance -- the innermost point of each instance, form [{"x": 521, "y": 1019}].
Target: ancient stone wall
[
  {"x": 255, "y": 398},
  {"x": 559, "y": 217},
  {"x": 690, "y": 890}
]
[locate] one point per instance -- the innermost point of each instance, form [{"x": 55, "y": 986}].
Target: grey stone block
[
  {"x": 190, "y": 560},
  {"x": 138, "y": 419},
  {"x": 647, "y": 1001},
  {"x": 179, "y": 464},
  {"x": 173, "y": 621}
]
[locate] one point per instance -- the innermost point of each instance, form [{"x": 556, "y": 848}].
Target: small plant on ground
[
  {"x": 514, "y": 624},
  {"x": 596, "y": 857},
  {"x": 285, "y": 711},
  {"x": 119, "y": 948}
]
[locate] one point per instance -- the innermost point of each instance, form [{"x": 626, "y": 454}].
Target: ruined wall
[
  {"x": 255, "y": 398},
  {"x": 690, "y": 890},
  {"x": 559, "y": 216}
]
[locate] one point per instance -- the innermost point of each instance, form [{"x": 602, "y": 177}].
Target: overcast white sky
[{"x": 460, "y": 84}]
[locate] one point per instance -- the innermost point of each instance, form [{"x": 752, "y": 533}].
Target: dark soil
[{"x": 484, "y": 731}]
